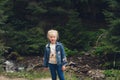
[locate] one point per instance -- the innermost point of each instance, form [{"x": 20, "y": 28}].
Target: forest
[{"x": 85, "y": 26}]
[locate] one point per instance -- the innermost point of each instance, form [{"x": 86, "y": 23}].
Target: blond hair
[{"x": 52, "y": 31}]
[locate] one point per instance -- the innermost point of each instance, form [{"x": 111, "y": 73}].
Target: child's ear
[{"x": 57, "y": 38}]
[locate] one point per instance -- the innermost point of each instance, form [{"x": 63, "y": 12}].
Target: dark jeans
[{"x": 56, "y": 69}]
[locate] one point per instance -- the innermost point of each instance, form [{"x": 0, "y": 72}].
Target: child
[{"x": 54, "y": 56}]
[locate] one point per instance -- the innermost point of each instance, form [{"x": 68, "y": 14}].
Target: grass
[
  {"x": 70, "y": 76},
  {"x": 112, "y": 74},
  {"x": 32, "y": 75}
]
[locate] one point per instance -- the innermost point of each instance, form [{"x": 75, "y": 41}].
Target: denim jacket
[{"x": 60, "y": 54}]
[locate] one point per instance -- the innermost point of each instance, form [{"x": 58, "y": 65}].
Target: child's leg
[
  {"x": 52, "y": 68},
  {"x": 60, "y": 72}
]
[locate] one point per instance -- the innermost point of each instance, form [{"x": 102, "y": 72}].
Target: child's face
[{"x": 52, "y": 37}]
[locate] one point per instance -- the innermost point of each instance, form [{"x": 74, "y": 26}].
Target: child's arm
[
  {"x": 45, "y": 59},
  {"x": 63, "y": 55}
]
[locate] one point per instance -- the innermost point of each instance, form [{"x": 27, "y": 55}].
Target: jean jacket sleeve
[
  {"x": 63, "y": 56},
  {"x": 45, "y": 59}
]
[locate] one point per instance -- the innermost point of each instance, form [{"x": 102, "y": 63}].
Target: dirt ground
[{"x": 6, "y": 78}]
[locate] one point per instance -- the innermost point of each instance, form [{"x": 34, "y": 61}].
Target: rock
[
  {"x": 86, "y": 53},
  {"x": 9, "y": 66},
  {"x": 72, "y": 64},
  {"x": 21, "y": 68},
  {"x": 85, "y": 68},
  {"x": 96, "y": 74}
]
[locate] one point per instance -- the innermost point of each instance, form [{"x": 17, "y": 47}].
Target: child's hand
[{"x": 63, "y": 68}]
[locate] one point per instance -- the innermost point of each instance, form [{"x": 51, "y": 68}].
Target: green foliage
[
  {"x": 113, "y": 4},
  {"x": 112, "y": 40},
  {"x": 28, "y": 75},
  {"x": 1, "y": 48},
  {"x": 70, "y": 52},
  {"x": 102, "y": 50},
  {"x": 109, "y": 73},
  {"x": 36, "y": 8},
  {"x": 27, "y": 42},
  {"x": 2, "y": 44},
  {"x": 76, "y": 36},
  {"x": 114, "y": 23},
  {"x": 114, "y": 35},
  {"x": 112, "y": 74},
  {"x": 3, "y": 17},
  {"x": 40, "y": 74},
  {"x": 65, "y": 16}
]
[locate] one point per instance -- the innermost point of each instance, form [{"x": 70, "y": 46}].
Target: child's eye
[{"x": 52, "y": 37}]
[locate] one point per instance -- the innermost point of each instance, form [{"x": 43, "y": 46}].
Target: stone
[
  {"x": 9, "y": 66},
  {"x": 96, "y": 74}
]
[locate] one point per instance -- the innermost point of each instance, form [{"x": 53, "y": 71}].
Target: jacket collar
[{"x": 57, "y": 43}]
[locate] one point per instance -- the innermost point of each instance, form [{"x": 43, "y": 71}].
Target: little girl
[{"x": 54, "y": 56}]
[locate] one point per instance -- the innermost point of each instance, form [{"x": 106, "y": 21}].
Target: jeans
[{"x": 56, "y": 69}]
